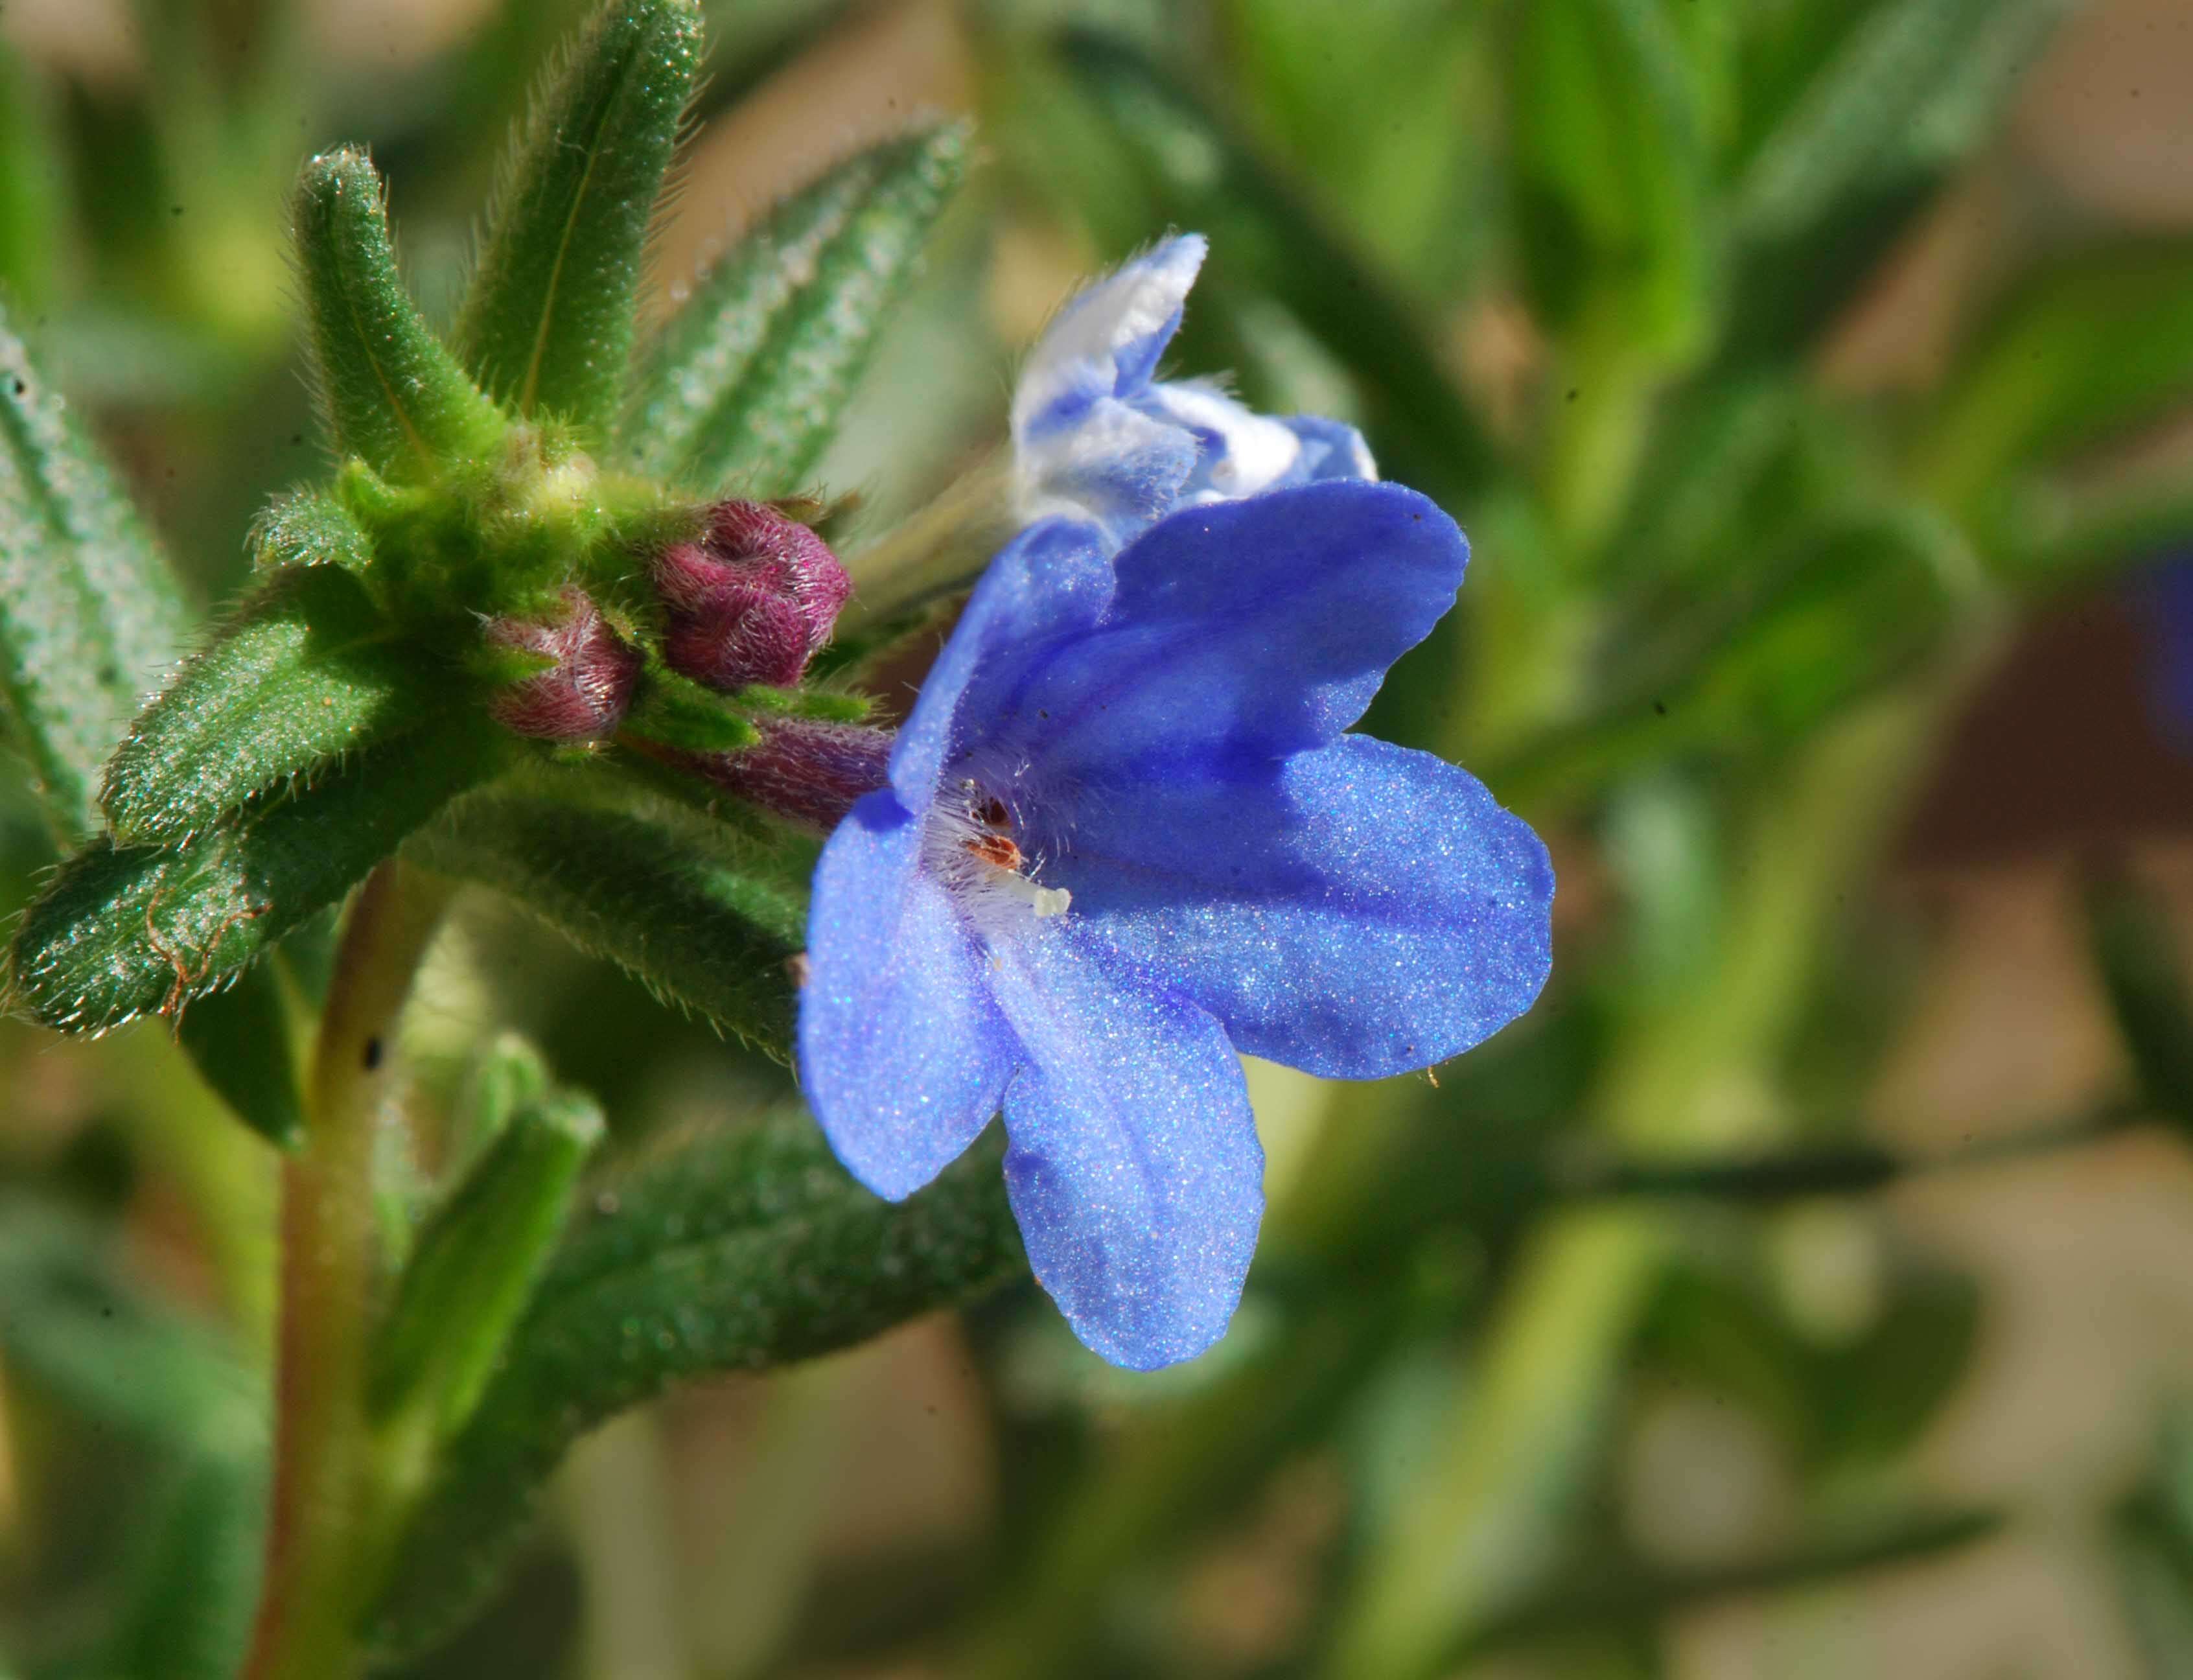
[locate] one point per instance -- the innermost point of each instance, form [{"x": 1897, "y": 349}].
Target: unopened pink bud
[
  {"x": 810, "y": 773},
  {"x": 583, "y": 694},
  {"x": 750, "y": 600}
]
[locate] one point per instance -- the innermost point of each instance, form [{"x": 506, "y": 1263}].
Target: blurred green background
[{"x": 1804, "y": 1289}]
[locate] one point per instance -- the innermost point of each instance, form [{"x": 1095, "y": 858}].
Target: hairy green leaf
[
  {"x": 309, "y": 672},
  {"x": 733, "y": 1252},
  {"x": 90, "y": 616},
  {"x": 702, "y": 926},
  {"x": 476, "y": 1262},
  {"x": 394, "y": 397},
  {"x": 242, "y": 1040},
  {"x": 747, "y": 379},
  {"x": 546, "y": 325},
  {"x": 748, "y": 382},
  {"x": 123, "y": 932}
]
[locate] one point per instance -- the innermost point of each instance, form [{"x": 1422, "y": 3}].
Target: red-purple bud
[
  {"x": 750, "y": 600},
  {"x": 811, "y": 773},
  {"x": 583, "y": 694}
]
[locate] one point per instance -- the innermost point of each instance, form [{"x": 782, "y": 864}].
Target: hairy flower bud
[
  {"x": 750, "y": 600},
  {"x": 807, "y": 772},
  {"x": 582, "y": 695}
]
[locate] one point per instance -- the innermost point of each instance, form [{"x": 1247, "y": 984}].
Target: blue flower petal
[
  {"x": 1331, "y": 449},
  {"x": 1049, "y": 583},
  {"x": 902, "y": 1053},
  {"x": 1356, "y": 911},
  {"x": 1247, "y": 629},
  {"x": 1134, "y": 1168}
]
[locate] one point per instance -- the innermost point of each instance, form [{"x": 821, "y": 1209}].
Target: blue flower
[{"x": 1126, "y": 834}]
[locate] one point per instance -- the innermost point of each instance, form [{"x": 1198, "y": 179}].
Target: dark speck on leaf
[
  {"x": 1573, "y": 393},
  {"x": 109, "y": 675},
  {"x": 21, "y": 388},
  {"x": 296, "y": 437},
  {"x": 1659, "y": 708},
  {"x": 372, "y": 1055},
  {"x": 175, "y": 209}
]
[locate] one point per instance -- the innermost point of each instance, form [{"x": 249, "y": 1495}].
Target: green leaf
[
  {"x": 123, "y": 932},
  {"x": 546, "y": 325},
  {"x": 1610, "y": 157},
  {"x": 394, "y": 397},
  {"x": 1198, "y": 174},
  {"x": 2129, "y": 931},
  {"x": 703, "y": 925},
  {"x": 732, "y": 1251},
  {"x": 90, "y": 616},
  {"x": 745, "y": 385},
  {"x": 196, "y": 1577},
  {"x": 476, "y": 1262},
  {"x": 510, "y": 1076},
  {"x": 309, "y": 673},
  {"x": 1916, "y": 82},
  {"x": 243, "y": 1042},
  {"x": 678, "y": 712},
  {"x": 2086, "y": 348}
]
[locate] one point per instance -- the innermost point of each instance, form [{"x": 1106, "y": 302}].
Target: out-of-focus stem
[
  {"x": 309, "y": 1601},
  {"x": 948, "y": 542}
]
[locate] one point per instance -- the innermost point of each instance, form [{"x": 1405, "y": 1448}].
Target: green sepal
[
  {"x": 243, "y": 1042},
  {"x": 706, "y": 925},
  {"x": 731, "y": 1252},
  {"x": 821, "y": 705},
  {"x": 678, "y": 712},
  {"x": 310, "y": 672},
  {"x": 546, "y": 326},
  {"x": 90, "y": 616},
  {"x": 745, "y": 385},
  {"x": 309, "y": 528},
  {"x": 119, "y": 932},
  {"x": 475, "y": 1263},
  {"x": 394, "y": 397}
]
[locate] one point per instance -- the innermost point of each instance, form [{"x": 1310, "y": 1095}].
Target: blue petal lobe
[
  {"x": 1134, "y": 1168},
  {"x": 1248, "y": 628},
  {"x": 1356, "y": 911},
  {"x": 902, "y": 1053},
  {"x": 1050, "y": 582}
]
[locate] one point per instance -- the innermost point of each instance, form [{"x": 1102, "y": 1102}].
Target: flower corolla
[{"x": 1126, "y": 834}]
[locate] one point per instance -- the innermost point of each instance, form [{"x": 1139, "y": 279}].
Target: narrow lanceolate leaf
[
  {"x": 123, "y": 932},
  {"x": 90, "y": 616},
  {"x": 476, "y": 1262},
  {"x": 732, "y": 1252},
  {"x": 310, "y": 672},
  {"x": 744, "y": 387},
  {"x": 546, "y": 325},
  {"x": 395, "y": 398},
  {"x": 703, "y": 928},
  {"x": 1917, "y": 81}
]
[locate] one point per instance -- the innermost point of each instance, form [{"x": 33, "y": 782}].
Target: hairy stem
[{"x": 308, "y": 1610}]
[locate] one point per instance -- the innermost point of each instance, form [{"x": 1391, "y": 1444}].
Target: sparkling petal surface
[
  {"x": 1134, "y": 1167},
  {"x": 902, "y": 1053},
  {"x": 1049, "y": 584},
  {"x": 1245, "y": 629},
  {"x": 1357, "y": 911}
]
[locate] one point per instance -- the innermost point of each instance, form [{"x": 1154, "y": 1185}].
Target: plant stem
[{"x": 308, "y": 1602}]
